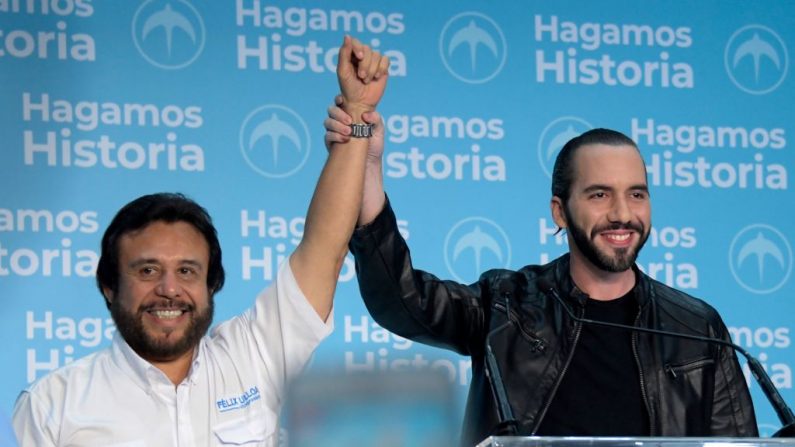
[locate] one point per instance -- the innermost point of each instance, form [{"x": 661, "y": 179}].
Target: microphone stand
[
  {"x": 507, "y": 422},
  {"x": 784, "y": 413}
]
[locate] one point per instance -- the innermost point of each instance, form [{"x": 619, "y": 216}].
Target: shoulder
[
  {"x": 497, "y": 277},
  {"x": 518, "y": 282},
  {"x": 679, "y": 300},
  {"x": 526, "y": 273},
  {"x": 41, "y": 409},
  {"x": 70, "y": 377},
  {"x": 682, "y": 306}
]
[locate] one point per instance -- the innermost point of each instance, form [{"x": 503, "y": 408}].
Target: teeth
[
  {"x": 618, "y": 237},
  {"x": 167, "y": 314}
]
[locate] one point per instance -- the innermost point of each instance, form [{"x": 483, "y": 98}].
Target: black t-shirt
[{"x": 600, "y": 393}]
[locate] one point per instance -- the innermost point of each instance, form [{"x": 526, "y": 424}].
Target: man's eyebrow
[
  {"x": 143, "y": 261},
  {"x": 192, "y": 262},
  {"x": 597, "y": 187},
  {"x": 600, "y": 187}
]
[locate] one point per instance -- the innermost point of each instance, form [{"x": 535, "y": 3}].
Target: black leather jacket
[{"x": 690, "y": 388}]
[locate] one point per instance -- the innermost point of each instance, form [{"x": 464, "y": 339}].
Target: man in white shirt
[{"x": 163, "y": 382}]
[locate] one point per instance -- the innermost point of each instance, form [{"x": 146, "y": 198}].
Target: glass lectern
[{"x": 553, "y": 441}]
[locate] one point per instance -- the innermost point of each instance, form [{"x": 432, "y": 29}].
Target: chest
[{"x": 219, "y": 406}]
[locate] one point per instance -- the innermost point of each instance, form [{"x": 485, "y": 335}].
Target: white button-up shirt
[{"x": 232, "y": 394}]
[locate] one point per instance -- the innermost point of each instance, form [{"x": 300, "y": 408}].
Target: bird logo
[
  {"x": 274, "y": 141},
  {"x": 472, "y": 31},
  {"x": 756, "y": 48},
  {"x": 472, "y": 36},
  {"x": 169, "y": 20},
  {"x": 473, "y": 245},
  {"x": 756, "y": 59},
  {"x": 169, "y": 34},
  {"x": 760, "y": 258},
  {"x": 759, "y": 247},
  {"x": 478, "y": 241},
  {"x": 276, "y": 129},
  {"x": 554, "y": 136}
]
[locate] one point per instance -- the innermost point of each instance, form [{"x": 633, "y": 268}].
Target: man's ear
[
  {"x": 108, "y": 294},
  {"x": 558, "y": 214}
]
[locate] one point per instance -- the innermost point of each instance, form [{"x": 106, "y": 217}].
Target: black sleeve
[{"x": 413, "y": 303}]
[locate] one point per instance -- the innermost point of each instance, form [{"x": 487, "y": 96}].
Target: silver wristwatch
[{"x": 361, "y": 130}]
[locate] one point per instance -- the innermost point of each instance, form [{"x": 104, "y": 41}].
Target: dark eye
[{"x": 147, "y": 271}]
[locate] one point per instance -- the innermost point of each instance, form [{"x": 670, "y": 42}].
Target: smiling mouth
[
  {"x": 167, "y": 314},
  {"x": 618, "y": 237},
  {"x": 169, "y": 310}
]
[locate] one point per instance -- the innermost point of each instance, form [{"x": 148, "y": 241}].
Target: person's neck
[
  {"x": 176, "y": 369},
  {"x": 597, "y": 283}
]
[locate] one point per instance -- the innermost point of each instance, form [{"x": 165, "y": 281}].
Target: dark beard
[
  {"x": 624, "y": 258},
  {"x": 130, "y": 327}
]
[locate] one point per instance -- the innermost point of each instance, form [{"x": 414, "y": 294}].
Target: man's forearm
[
  {"x": 373, "y": 197},
  {"x": 337, "y": 200},
  {"x": 329, "y": 223}
]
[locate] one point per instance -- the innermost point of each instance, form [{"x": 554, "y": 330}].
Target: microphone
[
  {"x": 784, "y": 413},
  {"x": 507, "y": 422}
]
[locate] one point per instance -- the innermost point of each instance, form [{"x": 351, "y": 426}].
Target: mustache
[
  {"x": 639, "y": 227},
  {"x": 166, "y": 304}
]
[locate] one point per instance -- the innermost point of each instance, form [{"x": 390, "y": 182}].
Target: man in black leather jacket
[{"x": 563, "y": 377}]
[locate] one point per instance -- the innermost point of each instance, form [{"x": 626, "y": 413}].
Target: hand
[
  {"x": 338, "y": 129},
  {"x": 362, "y": 75}
]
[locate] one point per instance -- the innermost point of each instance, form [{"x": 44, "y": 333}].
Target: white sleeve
[
  {"x": 32, "y": 423},
  {"x": 279, "y": 333}
]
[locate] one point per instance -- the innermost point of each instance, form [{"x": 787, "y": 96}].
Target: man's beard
[
  {"x": 623, "y": 259},
  {"x": 130, "y": 326}
]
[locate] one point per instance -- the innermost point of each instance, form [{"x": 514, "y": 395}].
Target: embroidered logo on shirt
[{"x": 238, "y": 402}]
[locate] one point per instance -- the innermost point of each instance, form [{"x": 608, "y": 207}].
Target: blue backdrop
[{"x": 101, "y": 102}]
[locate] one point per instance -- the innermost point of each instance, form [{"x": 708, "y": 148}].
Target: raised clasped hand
[{"x": 362, "y": 74}]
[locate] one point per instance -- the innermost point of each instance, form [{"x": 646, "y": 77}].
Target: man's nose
[
  {"x": 168, "y": 286},
  {"x": 620, "y": 211}
]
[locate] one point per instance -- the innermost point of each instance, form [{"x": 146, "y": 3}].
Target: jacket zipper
[
  {"x": 672, "y": 369},
  {"x": 543, "y": 412},
  {"x": 539, "y": 345},
  {"x": 641, "y": 377}
]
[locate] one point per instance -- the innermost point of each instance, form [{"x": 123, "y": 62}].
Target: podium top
[{"x": 566, "y": 441}]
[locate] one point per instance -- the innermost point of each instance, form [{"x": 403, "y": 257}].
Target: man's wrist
[
  {"x": 373, "y": 163},
  {"x": 361, "y": 130},
  {"x": 356, "y": 110}
]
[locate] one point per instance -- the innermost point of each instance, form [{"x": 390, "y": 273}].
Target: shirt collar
[{"x": 143, "y": 373}]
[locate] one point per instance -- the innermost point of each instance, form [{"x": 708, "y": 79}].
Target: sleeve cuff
[
  {"x": 385, "y": 222},
  {"x": 297, "y": 300}
]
